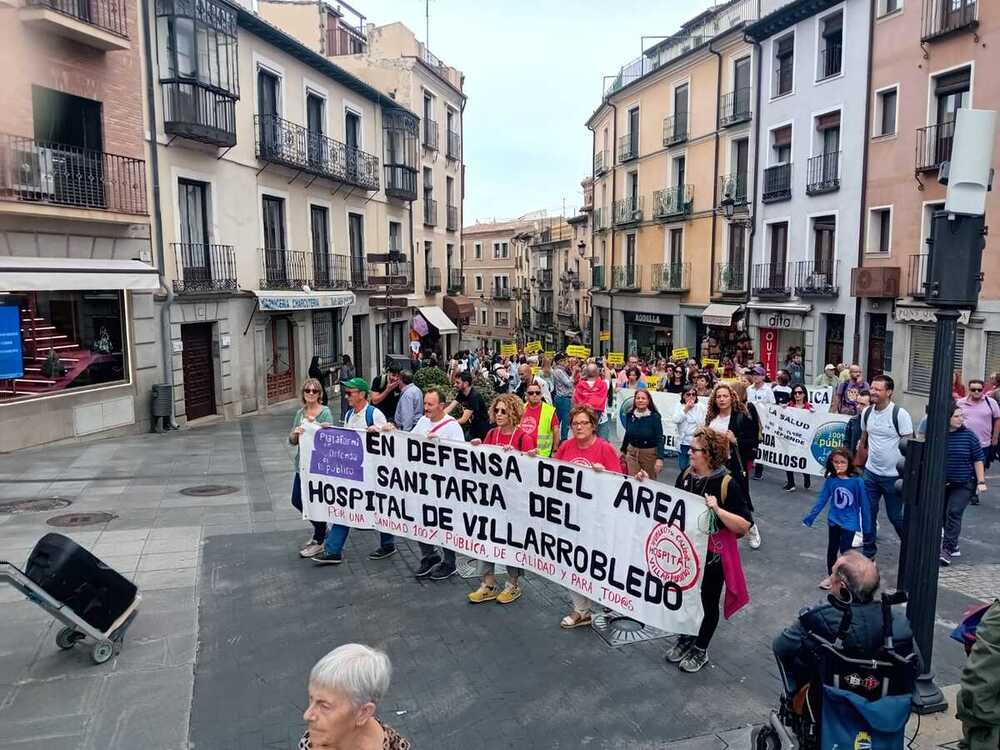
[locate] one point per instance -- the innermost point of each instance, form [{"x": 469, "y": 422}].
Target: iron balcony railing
[
  {"x": 432, "y": 280},
  {"x": 194, "y": 111},
  {"x": 456, "y": 281},
  {"x": 917, "y": 276},
  {"x": 943, "y": 17},
  {"x": 777, "y": 183},
  {"x": 283, "y": 142},
  {"x": 330, "y": 271},
  {"x": 733, "y": 188},
  {"x": 543, "y": 319},
  {"x": 730, "y": 278},
  {"x": 108, "y": 15},
  {"x": 389, "y": 277},
  {"x": 597, "y": 277},
  {"x": 501, "y": 292},
  {"x": 734, "y": 107},
  {"x": 430, "y": 212},
  {"x": 770, "y": 280},
  {"x": 344, "y": 39},
  {"x": 626, "y": 278},
  {"x": 628, "y": 147},
  {"x": 543, "y": 277},
  {"x": 57, "y": 174},
  {"x": 430, "y": 131},
  {"x": 816, "y": 278},
  {"x": 601, "y": 163},
  {"x": 831, "y": 61},
  {"x": 628, "y": 210},
  {"x": 934, "y": 144},
  {"x": 674, "y": 202},
  {"x": 675, "y": 129},
  {"x": 823, "y": 173},
  {"x": 602, "y": 218},
  {"x": 400, "y": 182},
  {"x": 285, "y": 269},
  {"x": 671, "y": 277},
  {"x": 204, "y": 268},
  {"x": 454, "y": 145},
  {"x": 784, "y": 73},
  {"x": 452, "y": 218},
  {"x": 361, "y": 270}
]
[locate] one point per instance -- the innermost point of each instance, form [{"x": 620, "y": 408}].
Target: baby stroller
[{"x": 854, "y": 703}]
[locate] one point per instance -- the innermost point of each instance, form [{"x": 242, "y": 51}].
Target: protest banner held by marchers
[
  {"x": 800, "y": 440},
  {"x": 635, "y": 547}
]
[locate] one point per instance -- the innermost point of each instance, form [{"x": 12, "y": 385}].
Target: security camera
[{"x": 968, "y": 175}]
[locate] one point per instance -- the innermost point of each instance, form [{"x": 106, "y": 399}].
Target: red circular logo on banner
[{"x": 670, "y": 556}]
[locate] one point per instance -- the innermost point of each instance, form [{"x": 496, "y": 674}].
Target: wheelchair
[{"x": 798, "y": 722}]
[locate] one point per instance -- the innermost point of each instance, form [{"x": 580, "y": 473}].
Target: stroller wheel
[
  {"x": 765, "y": 738},
  {"x": 67, "y": 637},
  {"x": 103, "y": 651}
]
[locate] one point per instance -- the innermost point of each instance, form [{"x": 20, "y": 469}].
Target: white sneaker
[
  {"x": 753, "y": 536},
  {"x": 311, "y": 550}
]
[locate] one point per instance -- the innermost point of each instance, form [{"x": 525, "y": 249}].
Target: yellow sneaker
[
  {"x": 511, "y": 593},
  {"x": 483, "y": 594}
]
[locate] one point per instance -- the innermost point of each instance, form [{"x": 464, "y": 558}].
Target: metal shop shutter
[
  {"x": 922, "y": 357},
  {"x": 992, "y": 352}
]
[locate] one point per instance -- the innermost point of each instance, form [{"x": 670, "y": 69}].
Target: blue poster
[{"x": 11, "y": 356}]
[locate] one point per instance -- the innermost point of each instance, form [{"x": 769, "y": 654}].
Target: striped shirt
[{"x": 963, "y": 452}]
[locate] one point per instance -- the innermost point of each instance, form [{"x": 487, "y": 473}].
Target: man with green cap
[{"x": 360, "y": 415}]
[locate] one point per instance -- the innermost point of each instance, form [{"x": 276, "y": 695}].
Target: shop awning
[
  {"x": 458, "y": 308},
  {"x": 19, "y": 274},
  {"x": 270, "y": 301},
  {"x": 436, "y": 317},
  {"x": 719, "y": 315}
]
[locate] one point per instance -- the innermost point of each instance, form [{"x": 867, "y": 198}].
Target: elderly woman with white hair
[{"x": 345, "y": 688}]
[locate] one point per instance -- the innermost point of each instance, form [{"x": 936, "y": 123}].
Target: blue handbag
[{"x": 852, "y": 723}]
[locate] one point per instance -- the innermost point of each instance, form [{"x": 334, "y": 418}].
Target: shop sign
[
  {"x": 769, "y": 351},
  {"x": 649, "y": 319},
  {"x": 605, "y": 336},
  {"x": 11, "y": 355},
  {"x": 303, "y": 302},
  {"x": 782, "y": 320},
  {"x": 679, "y": 353},
  {"x": 616, "y": 358}
]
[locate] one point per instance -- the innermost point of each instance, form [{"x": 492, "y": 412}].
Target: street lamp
[
  {"x": 581, "y": 248},
  {"x": 729, "y": 211}
]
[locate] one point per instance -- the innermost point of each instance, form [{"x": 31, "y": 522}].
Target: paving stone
[
  {"x": 167, "y": 560},
  {"x": 165, "y": 579}
]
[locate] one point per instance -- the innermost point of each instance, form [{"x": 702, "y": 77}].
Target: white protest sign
[
  {"x": 665, "y": 403},
  {"x": 799, "y": 440},
  {"x": 636, "y": 547},
  {"x": 820, "y": 397}
]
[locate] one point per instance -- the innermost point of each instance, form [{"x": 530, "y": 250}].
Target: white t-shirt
[
  {"x": 762, "y": 395},
  {"x": 356, "y": 420},
  {"x": 883, "y": 442},
  {"x": 720, "y": 424},
  {"x": 449, "y": 429}
]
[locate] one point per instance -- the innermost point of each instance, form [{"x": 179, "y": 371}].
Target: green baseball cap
[{"x": 356, "y": 384}]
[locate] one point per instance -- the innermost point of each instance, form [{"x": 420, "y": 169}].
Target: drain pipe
[
  {"x": 614, "y": 175},
  {"x": 154, "y": 166},
  {"x": 756, "y": 163},
  {"x": 715, "y": 169},
  {"x": 863, "y": 229}
]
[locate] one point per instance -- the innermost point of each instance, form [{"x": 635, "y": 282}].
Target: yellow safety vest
[{"x": 544, "y": 431}]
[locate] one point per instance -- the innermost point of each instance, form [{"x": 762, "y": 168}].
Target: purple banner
[{"x": 338, "y": 453}]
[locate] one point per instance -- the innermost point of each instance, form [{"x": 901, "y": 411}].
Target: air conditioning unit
[
  {"x": 32, "y": 173},
  {"x": 875, "y": 281}
]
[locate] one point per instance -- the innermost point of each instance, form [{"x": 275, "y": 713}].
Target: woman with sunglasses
[
  {"x": 689, "y": 415},
  {"x": 799, "y": 400},
  {"x": 675, "y": 380},
  {"x": 312, "y": 411},
  {"x": 505, "y": 412}
]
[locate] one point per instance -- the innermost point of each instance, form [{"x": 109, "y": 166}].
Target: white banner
[
  {"x": 820, "y": 397},
  {"x": 799, "y": 440},
  {"x": 636, "y": 547},
  {"x": 664, "y": 402}
]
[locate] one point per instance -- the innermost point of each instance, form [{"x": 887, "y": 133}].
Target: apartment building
[
  {"x": 493, "y": 282},
  {"x": 671, "y": 192},
  {"x": 393, "y": 60},
  {"x": 810, "y": 146},
  {"x": 557, "y": 266},
  {"x": 929, "y": 60},
  {"x": 78, "y": 327}
]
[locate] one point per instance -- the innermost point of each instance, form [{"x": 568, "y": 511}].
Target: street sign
[
  {"x": 383, "y": 303},
  {"x": 393, "y": 257},
  {"x": 400, "y": 281}
]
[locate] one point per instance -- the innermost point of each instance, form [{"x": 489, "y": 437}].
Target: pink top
[
  {"x": 979, "y": 416},
  {"x": 519, "y": 440},
  {"x": 599, "y": 452},
  {"x": 596, "y": 395}
]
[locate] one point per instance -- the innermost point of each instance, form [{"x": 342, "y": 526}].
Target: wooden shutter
[
  {"x": 782, "y": 136},
  {"x": 828, "y": 121},
  {"x": 992, "y": 353}
]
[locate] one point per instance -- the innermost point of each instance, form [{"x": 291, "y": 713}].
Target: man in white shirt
[
  {"x": 759, "y": 392},
  {"x": 524, "y": 373},
  {"x": 883, "y": 424},
  {"x": 437, "y": 424},
  {"x": 360, "y": 415}
]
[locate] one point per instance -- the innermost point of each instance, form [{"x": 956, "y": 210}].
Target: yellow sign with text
[
  {"x": 680, "y": 353},
  {"x": 708, "y": 362},
  {"x": 549, "y": 355},
  {"x": 616, "y": 358},
  {"x": 508, "y": 350},
  {"x": 605, "y": 336},
  {"x": 533, "y": 347},
  {"x": 575, "y": 350},
  {"x": 652, "y": 381}
]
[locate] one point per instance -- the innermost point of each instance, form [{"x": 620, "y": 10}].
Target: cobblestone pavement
[{"x": 232, "y": 620}]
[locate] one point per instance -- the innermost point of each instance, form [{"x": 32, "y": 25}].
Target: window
[
  {"x": 676, "y": 256},
  {"x": 504, "y": 250},
  {"x": 477, "y": 250},
  {"x": 831, "y": 53},
  {"x": 193, "y": 205},
  {"x": 428, "y": 183},
  {"x": 479, "y": 282},
  {"x": 779, "y": 246},
  {"x": 885, "y": 112},
  {"x": 630, "y": 250},
  {"x": 781, "y": 145},
  {"x": 992, "y": 353},
  {"x": 681, "y": 110},
  {"x": 633, "y": 189},
  {"x": 824, "y": 243},
  {"x": 951, "y": 91},
  {"x": 737, "y": 248},
  {"x": 502, "y": 318},
  {"x": 885, "y": 7},
  {"x": 395, "y": 236},
  {"x": 197, "y": 42},
  {"x": 449, "y": 190},
  {"x": 319, "y": 225},
  {"x": 784, "y": 65},
  {"x": 92, "y": 330},
  {"x": 880, "y": 230},
  {"x": 680, "y": 168},
  {"x": 496, "y": 250},
  {"x": 483, "y": 316},
  {"x": 428, "y": 260},
  {"x": 633, "y": 131},
  {"x": 922, "y": 357}
]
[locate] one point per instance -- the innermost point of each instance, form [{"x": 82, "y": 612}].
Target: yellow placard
[
  {"x": 708, "y": 362},
  {"x": 549, "y": 355},
  {"x": 616, "y": 358},
  {"x": 680, "y": 353},
  {"x": 533, "y": 347},
  {"x": 575, "y": 350},
  {"x": 605, "y": 336},
  {"x": 652, "y": 381},
  {"x": 729, "y": 380},
  {"x": 508, "y": 350},
  {"x": 535, "y": 370}
]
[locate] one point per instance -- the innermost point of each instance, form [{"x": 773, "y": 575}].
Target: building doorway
[
  {"x": 834, "y": 340},
  {"x": 281, "y": 370},
  {"x": 199, "y": 371},
  {"x": 877, "y": 340}
]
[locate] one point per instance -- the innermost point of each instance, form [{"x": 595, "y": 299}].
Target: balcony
[
  {"x": 572, "y": 278},
  {"x": 770, "y": 280},
  {"x": 602, "y": 219},
  {"x": 628, "y": 147},
  {"x": 194, "y": 111},
  {"x": 734, "y": 107},
  {"x": 944, "y": 17},
  {"x": 934, "y": 144},
  {"x": 730, "y": 278},
  {"x": 831, "y": 62},
  {"x": 432, "y": 280},
  {"x": 543, "y": 277},
  {"x": 917, "y": 276},
  {"x": 285, "y": 269},
  {"x": 454, "y": 150},
  {"x": 430, "y": 133},
  {"x": 430, "y": 212},
  {"x": 452, "y": 218},
  {"x": 597, "y": 277},
  {"x": 344, "y": 39},
  {"x": 38, "y": 175},
  {"x": 501, "y": 293},
  {"x": 675, "y": 129},
  {"x": 823, "y": 174},
  {"x": 331, "y": 271},
  {"x": 733, "y": 189},
  {"x": 543, "y": 319},
  {"x": 280, "y": 141},
  {"x": 400, "y": 182},
  {"x": 601, "y": 163},
  {"x": 204, "y": 268},
  {"x": 101, "y": 24},
  {"x": 816, "y": 278},
  {"x": 777, "y": 183},
  {"x": 360, "y": 273},
  {"x": 456, "y": 281},
  {"x": 626, "y": 278},
  {"x": 671, "y": 277},
  {"x": 673, "y": 203},
  {"x": 628, "y": 211}
]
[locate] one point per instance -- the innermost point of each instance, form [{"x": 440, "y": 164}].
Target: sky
[{"x": 533, "y": 75}]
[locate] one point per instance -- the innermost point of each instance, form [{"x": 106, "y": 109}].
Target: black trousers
[
  {"x": 839, "y": 542},
  {"x": 712, "y": 584}
]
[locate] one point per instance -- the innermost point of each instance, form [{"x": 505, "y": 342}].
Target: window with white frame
[
  {"x": 479, "y": 282},
  {"x": 477, "y": 251},
  {"x": 496, "y": 250},
  {"x": 484, "y": 316},
  {"x": 831, "y": 46},
  {"x": 501, "y": 319},
  {"x": 885, "y": 7},
  {"x": 886, "y": 106},
  {"x": 880, "y": 229},
  {"x": 992, "y": 353},
  {"x": 504, "y": 250},
  {"x": 784, "y": 65}
]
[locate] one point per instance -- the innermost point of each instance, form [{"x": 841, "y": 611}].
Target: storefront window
[{"x": 53, "y": 342}]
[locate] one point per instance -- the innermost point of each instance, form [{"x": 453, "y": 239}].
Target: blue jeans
[
  {"x": 319, "y": 527},
  {"x": 684, "y": 458},
  {"x": 563, "y": 404},
  {"x": 336, "y": 538},
  {"x": 604, "y": 429},
  {"x": 878, "y": 487}
]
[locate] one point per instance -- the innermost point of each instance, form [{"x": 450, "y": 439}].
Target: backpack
[
  {"x": 369, "y": 415},
  {"x": 895, "y": 419},
  {"x": 723, "y": 490}
]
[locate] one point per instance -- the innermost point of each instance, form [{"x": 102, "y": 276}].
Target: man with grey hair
[
  {"x": 345, "y": 688},
  {"x": 855, "y": 582}
]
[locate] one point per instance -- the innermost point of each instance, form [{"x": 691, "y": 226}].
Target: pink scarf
[{"x": 723, "y": 542}]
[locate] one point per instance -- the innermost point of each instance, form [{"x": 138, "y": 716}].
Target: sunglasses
[
  {"x": 500, "y": 410},
  {"x": 697, "y": 450},
  {"x": 311, "y": 390},
  {"x": 975, "y": 390},
  {"x": 534, "y": 393}
]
